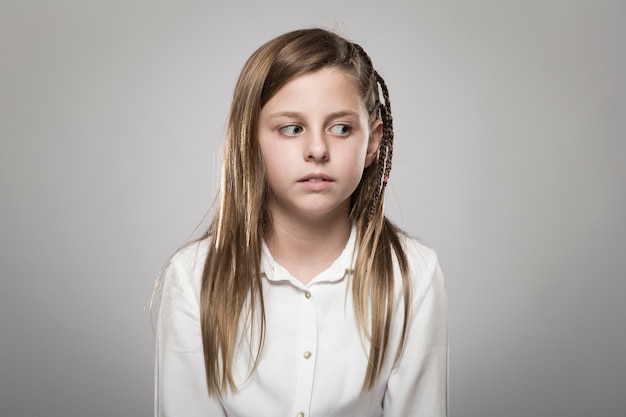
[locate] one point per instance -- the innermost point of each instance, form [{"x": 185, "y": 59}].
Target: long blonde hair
[{"x": 231, "y": 280}]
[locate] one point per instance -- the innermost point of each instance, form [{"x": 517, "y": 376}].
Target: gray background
[{"x": 510, "y": 132}]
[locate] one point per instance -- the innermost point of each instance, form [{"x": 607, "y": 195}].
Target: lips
[{"x": 315, "y": 177}]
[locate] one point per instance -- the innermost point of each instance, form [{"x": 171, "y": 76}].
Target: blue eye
[
  {"x": 291, "y": 130},
  {"x": 341, "y": 129}
]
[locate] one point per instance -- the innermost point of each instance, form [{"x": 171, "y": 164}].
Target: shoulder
[
  {"x": 179, "y": 283},
  {"x": 190, "y": 256},
  {"x": 186, "y": 266},
  {"x": 422, "y": 261},
  {"x": 417, "y": 253}
]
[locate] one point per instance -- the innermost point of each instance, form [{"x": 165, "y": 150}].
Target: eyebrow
[{"x": 334, "y": 115}]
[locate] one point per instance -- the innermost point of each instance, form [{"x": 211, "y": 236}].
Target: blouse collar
[{"x": 273, "y": 271}]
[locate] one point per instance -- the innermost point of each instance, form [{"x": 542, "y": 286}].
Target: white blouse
[{"x": 314, "y": 358}]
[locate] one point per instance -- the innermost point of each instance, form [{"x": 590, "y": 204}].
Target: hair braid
[
  {"x": 373, "y": 287},
  {"x": 385, "y": 149},
  {"x": 387, "y": 140}
]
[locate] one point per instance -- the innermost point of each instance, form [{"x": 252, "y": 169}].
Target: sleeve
[
  {"x": 180, "y": 383},
  {"x": 418, "y": 384}
]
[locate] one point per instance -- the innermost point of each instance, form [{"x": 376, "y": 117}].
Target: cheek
[
  {"x": 267, "y": 154},
  {"x": 270, "y": 169},
  {"x": 274, "y": 166},
  {"x": 355, "y": 165}
]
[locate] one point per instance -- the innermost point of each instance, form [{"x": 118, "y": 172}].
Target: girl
[{"x": 302, "y": 299}]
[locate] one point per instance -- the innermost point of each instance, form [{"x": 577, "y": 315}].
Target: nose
[{"x": 316, "y": 148}]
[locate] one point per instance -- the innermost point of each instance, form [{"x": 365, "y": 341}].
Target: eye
[
  {"x": 291, "y": 130},
  {"x": 341, "y": 129}
]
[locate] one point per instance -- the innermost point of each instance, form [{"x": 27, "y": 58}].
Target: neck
[{"x": 307, "y": 248}]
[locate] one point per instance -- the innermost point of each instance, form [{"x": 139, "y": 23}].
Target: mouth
[{"x": 315, "y": 178}]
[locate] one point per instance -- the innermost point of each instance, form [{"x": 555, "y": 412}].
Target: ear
[{"x": 376, "y": 134}]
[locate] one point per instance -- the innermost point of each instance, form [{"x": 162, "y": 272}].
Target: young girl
[{"x": 302, "y": 299}]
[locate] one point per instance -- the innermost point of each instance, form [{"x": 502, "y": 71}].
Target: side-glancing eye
[
  {"x": 291, "y": 130},
  {"x": 341, "y": 129}
]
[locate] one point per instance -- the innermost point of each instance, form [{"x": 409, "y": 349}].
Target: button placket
[{"x": 308, "y": 346}]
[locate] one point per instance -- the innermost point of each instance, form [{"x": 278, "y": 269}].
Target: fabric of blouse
[{"x": 314, "y": 358}]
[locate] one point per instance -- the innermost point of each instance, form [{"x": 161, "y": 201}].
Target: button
[
  {"x": 307, "y": 295},
  {"x": 307, "y": 355},
  {"x": 300, "y": 414}
]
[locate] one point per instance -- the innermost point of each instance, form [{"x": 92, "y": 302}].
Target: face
[{"x": 315, "y": 140}]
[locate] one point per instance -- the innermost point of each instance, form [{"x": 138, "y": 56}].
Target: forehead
[{"x": 330, "y": 87}]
